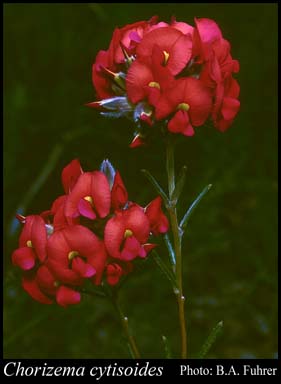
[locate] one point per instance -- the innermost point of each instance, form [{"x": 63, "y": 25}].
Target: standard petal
[
  {"x": 173, "y": 42},
  {"x": 81, "y": 189},
  {"x": 34, "y": 230},
  {"x": 70, "y": 175},
  {"x": 100, "y": 191},
  {"x": 119, "y": 194},
  {"x": 139, "y": 75},
  {"x": 114, "y": 235},
  {"x": 136, "y": 221}
]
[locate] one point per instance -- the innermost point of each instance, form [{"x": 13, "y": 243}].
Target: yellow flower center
[
  {"x": 154, "y": 84},
  {"x": 29, "y": 243},
  {"x": 128, "y": 233},
  {"x": 72, "y": 254},
  {"x": 166, "y": 57},
  {"x": 89, "y": 199},
  {"x": 56, "y": 283},
  {"x": 183, "y": 107}
]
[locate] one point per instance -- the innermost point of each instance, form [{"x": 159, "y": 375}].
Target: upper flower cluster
[
  {"x": 92, "y": 232},
  {"x": 154, "y": 72}
]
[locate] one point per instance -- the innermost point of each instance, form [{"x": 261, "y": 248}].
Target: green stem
[
  {"x": 172, "y": 210},
  {"x": 125, "y": 325}
]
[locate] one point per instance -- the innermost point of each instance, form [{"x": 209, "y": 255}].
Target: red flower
[
  {"x": 126, "y": 233},
  {"x": 158, "y": 221},
  {"x": 75, "y": 253},
  {"x": 32, "y": 243},
  {"x": 191, "y": 103},
  {"x": 90, "y": 197}
]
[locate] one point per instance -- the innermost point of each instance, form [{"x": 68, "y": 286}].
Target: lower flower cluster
[{"x": 91, "y": 233}]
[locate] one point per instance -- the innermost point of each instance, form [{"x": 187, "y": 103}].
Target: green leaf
[
  {"x": 170, "y": 248},
  {"x": 180, "y": 184},
  {"x": 216, "y": 331},
  {"x": 164, "y": 268},
  {"x": 167, "y": 348},
  {"x": 188, "y": 213},
  {"x": 156, "y": 185}
]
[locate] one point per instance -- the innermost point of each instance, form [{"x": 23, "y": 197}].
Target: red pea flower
[
  {"x": 90, "y": 197},
  {"x": 126, "y": 233},
  {"x": 32, "y": 243},
  {"x": 76, "y": 253},
  {"x": 157, "y": 220},
  {"x": 190, "y": 102}
]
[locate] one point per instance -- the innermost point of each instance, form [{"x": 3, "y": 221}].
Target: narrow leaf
[
  {"x": 155, "y": 184},
  {"x": 167, "y": 348},
  {"x": 194, "y": 205},
  {"x": 162, "y": 265},
  {"x": 130, "y": 351},
  {"x": 169, "y": 246},
  {"x": 210, "y": 340},
  {"x": 180, "y": 184}
]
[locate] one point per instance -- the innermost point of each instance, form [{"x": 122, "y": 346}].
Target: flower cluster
[
  {"x": 91, "y": 233},
  {"x": 173, "y": 73}
]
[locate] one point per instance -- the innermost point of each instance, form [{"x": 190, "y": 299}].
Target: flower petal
[
  {"x": 46, "y": 280},
  {"x": 113, "y": 235},
  {"x": 24, "y": 258},
  {"x": 158, "y": 221},
  {"x": 67, "y": 296},
  {"x": 70, "y": 175},
  {"x": 136, "y": 220},
  {"x": 230, "y": 108},
  {"x": 180, "y": 123},
  {"x": 100, "y": 190},
  {"x": 170, "y": 40},
  {"x": 131, "y": 249},
  {"x": 30, "y": 285},
  {"x": 34, "y": 230},
  {"x": 83, "y": 269},
  {"x": 139, "y": 75},
  {"x": 85, "y": 209},
  {"x": 119, "y": 194},
  {"x": 113, "y": 273}
]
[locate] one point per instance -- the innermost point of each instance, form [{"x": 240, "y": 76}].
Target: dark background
[{"x": 230, "y": 251}]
